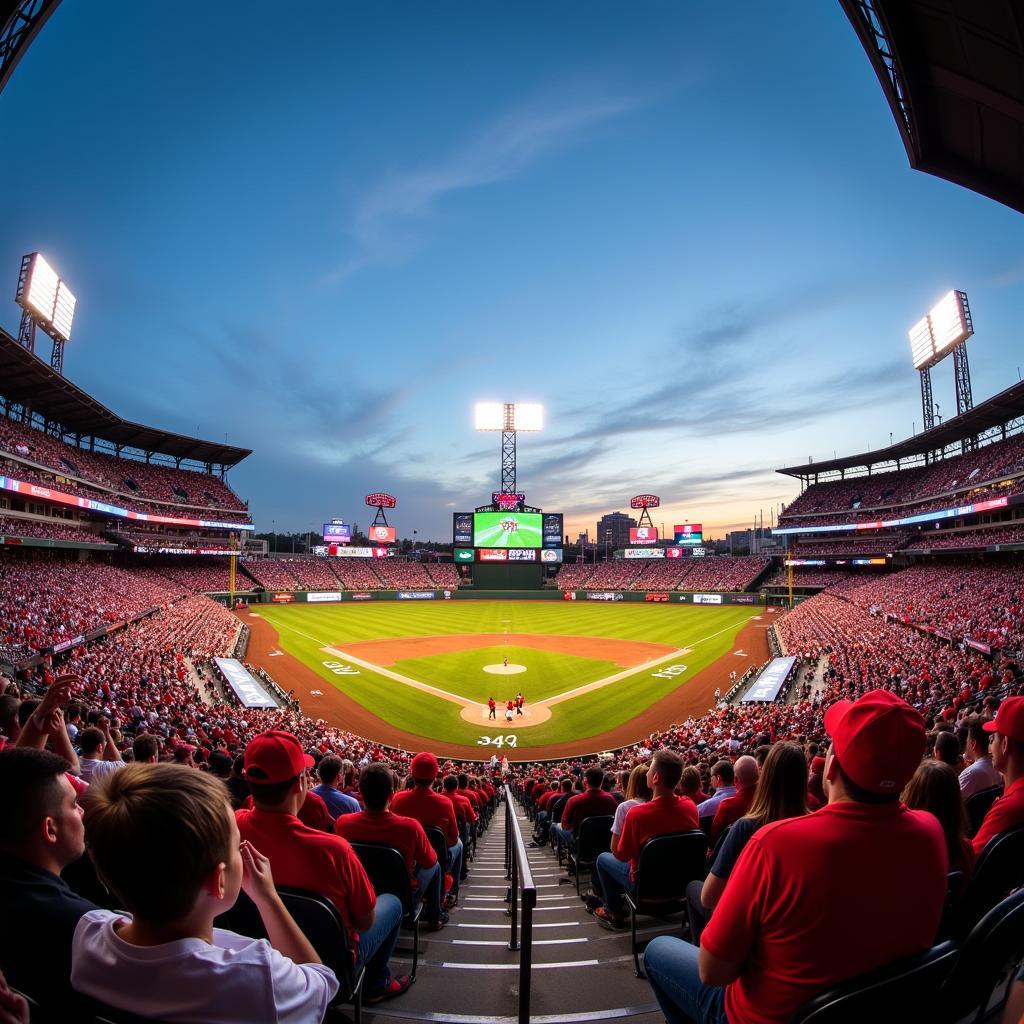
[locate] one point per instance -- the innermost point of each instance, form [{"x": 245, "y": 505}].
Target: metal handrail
[{"x": 517, "y": 871}]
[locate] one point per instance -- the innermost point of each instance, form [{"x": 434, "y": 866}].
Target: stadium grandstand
[{"x": 849, "y": 847}]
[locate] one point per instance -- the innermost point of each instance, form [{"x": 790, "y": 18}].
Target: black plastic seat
[
  {"x": 990, "y": 952},
  {"x": 666, "y": 866},
  {"x": 977, "y": 805},
  {"x": 907, "y": 990},
  {"x": 387, "y": 871},
  {"x": 593, "y": 839},
  {"x": 998, "y": 871},
  {"x": 318, "y": 919},
  {"x": 440, "y": 845}
]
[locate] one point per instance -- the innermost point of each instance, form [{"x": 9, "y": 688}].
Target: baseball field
[{"x": 592, "y": 675}]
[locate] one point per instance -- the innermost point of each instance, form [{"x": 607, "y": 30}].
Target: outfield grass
[{"x": 304, "y": 630}]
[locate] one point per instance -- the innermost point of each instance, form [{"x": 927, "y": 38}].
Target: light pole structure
[{"x": 508, "y": 418}]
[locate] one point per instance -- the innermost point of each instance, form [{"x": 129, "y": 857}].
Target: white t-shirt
[
  {"x": 620, "y": 815},
  {"x": 237, "y": 980},
  {"x": 93, "y": 769}
]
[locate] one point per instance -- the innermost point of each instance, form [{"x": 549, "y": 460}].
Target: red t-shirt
[
  {"x": 1006, "y": 813},
  {"x": 816, "y": 900},
  {"x": 586, "y": 805},
  {"x": 658, "y": 817},
  {"x": 306, "y": 858},
  {"x": 731, "y": 809},
  {"x": 463, "y": 808},
  {"x": 314, "y": 813},
  {"x": 405, "y": 834},
  {"x": 430, "y": 809}
]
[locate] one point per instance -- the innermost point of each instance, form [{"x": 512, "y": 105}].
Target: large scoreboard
[{"x": 507, "y": 536}]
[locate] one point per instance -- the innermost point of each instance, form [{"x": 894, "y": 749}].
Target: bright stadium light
[
  {"x": 508, "y": 416},
  {"x": 922, "y": 348},
  {"x": 41, "y": 288},
  {"x": 949, "y": 324},
  {"x": 45, "y": 297}
]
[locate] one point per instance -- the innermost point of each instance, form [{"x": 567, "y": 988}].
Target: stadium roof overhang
[
  {"x": 27, "y": 380},
  {"x": 996, "y": 412},
  {"x": 953, "y": 74},
  {"x": 20, "y": 22}
]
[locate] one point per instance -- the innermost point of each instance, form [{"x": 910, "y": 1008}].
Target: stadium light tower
[
  {"x": 47, "y": 303},
  {"x": 945, "y": 329},
  {"x": 508, "y": 417}
]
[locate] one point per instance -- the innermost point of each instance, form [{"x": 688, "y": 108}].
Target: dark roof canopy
[
  {"x": 26, "y": 379},
  {"x": 953, "y": 73},
  {"x": 995, "y": 412}
]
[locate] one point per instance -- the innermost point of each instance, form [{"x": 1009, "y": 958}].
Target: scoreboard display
[
  {"x": 691, "y": 534},
  {"x": 507, "y": 536}
]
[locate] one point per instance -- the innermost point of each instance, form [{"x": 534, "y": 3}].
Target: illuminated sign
[
  {"x": 337, "y": 532},
  {"x": 380, "y": 500},
  {"x": 507, "y": 502},
  {"x": 522, "y": 554},
  {"x": 927, "y": 517},
  {"x": 689, "y": 533},
  {"x": 463, "y": 554},
  {"x": 643, "y": 553},
  {"x": 551, "y": 555},
  {"x": 551, "y": 530},
  {"x": 462, "y": 529},
  {"x": 643, "y": 535},
  {"x": 645, "y": 501},
  {"x": 59, "y": 497},
  {"x": 381, "y": 534},
  {"x": 493, "y": 554}
]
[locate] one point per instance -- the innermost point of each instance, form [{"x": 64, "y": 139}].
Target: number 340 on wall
[{"x": 497, "y": 741}]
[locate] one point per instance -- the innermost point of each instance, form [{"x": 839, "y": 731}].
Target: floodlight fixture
[
  {"x": 45, "y": 297},
  {"x": 508, "y": 416},
  {"x": 947, "y": 325}
]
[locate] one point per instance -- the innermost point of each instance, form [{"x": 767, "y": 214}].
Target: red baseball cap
[
  {"x": 879, "y": 740},
  {"x": 275, "y": 756},
  {"x": 424, "y": 766},
  {"x": 1009, "y": 720}
]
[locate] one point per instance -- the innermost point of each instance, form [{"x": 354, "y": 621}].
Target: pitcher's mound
[{"x": 504, "y": 670}]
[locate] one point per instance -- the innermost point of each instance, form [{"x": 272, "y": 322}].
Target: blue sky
[{"x": 694, "y": 236}]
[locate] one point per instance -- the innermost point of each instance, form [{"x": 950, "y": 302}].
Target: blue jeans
[
  {"x": 671, "y": 967},
  {"x": 455, "y": 864},
  {"x": 613, "y": 880},
  {"x": 430, "y": 889},
  {"x": 564, "y": 836},
  {"x": 378, "y": 941}
]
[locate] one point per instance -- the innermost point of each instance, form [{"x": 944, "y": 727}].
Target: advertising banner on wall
[
  {"x": 247, "y": 688},
  {"x": 643, "y": 552},
  {"x": 707, "y": 598},
  {"x": 319, "y": 597}
]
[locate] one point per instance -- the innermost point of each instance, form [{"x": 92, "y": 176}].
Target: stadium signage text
[
  {"x": 707, "y": 598},
  {"x": 497, "y": 741},
  {"x": 645, "y": 501},
  {"x": 609, "y": 595},
  {"x": 339, "y": 669},
  {"x": 381, "y": 500},
  {"x": 643, "y": 552},
  {"x": 415, "y": 595},
  {"x": 247, "y": 688},
  {"x": 21, "y": 487},
  {"x": 316, "y": 597},
  {"x": 669, "y": 673}
]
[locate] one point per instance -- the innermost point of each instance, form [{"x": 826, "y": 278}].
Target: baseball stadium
[{"x": 499, "y": 774}]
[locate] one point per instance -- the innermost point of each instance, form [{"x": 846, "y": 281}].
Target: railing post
[{"x": 526, "y": 956}]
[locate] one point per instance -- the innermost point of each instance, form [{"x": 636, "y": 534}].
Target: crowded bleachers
[
  {"x": 398, "y": 575},
  {"x": 201, "y": 574},
  {"x": 273, "y": 573},
  {"x": 358, "y": 574},
  {"x": 977, "y": 538},
  {"x": 127, "y": 477},
  {"x": 51, "y": 529}
]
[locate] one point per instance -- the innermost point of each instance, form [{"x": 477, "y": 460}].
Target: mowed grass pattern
[{"x": 304, "y": 630}]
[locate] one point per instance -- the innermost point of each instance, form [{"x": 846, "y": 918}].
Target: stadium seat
[
  {"x": 956, "y": 882},
  {"x": 907, "y": 990},
  {"x": 595, "y": 836},
  {"x": 992, "y": 950},
  {"x": 320, "y": 922},
  {"x": 387, "y": 871},
  {"x": 977, "y": 806},
  {"x": 666, "y": 865},
  {"x": 998, "y": 871},
  {"x": 440, "y": 845}
]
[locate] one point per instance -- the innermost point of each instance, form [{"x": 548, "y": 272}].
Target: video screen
[
  {"x": 507, "y": 530},
  {"x": 552, "y": 528},
  {"x": 337, "y": 533},
  {"x": 643, "y": 535},
  {"x": 462, "y": 529},
  {"x": 381, "y": 534},
  {"x": 691, "y": 533}
]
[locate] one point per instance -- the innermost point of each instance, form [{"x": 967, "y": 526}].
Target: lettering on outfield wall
[
  {"x": 669, "y": 673},
  {"x": 339, "y": 669},
  {"x": 497, "y": 741}
]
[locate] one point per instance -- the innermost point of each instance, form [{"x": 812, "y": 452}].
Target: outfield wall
[{"x": 473, "y": 594}]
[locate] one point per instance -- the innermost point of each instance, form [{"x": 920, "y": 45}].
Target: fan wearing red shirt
[
  {"x": 665, "y": 814},
  {"x": 732, "y": 808},
  {"x": 593, "y": 801},
  {"x": 800, "y": 914},
  {"x": 377, "y": 824},
  {"x": 1007, "y": 751},
  {"x": 465, "y": 814},
  {"x": 303, "y": 857},
  {"x": 431, "y": 809}
]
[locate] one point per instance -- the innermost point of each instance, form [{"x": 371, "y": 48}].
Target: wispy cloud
[{"x": 387, "y": 220}]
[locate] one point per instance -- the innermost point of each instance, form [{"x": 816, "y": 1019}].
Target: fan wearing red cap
[
  {"x": 432, "y": 810},
  {"x": 307, "y": 858},
  {"x": 806, "y": 907},
  {"x": 1007, "y": 748}
]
